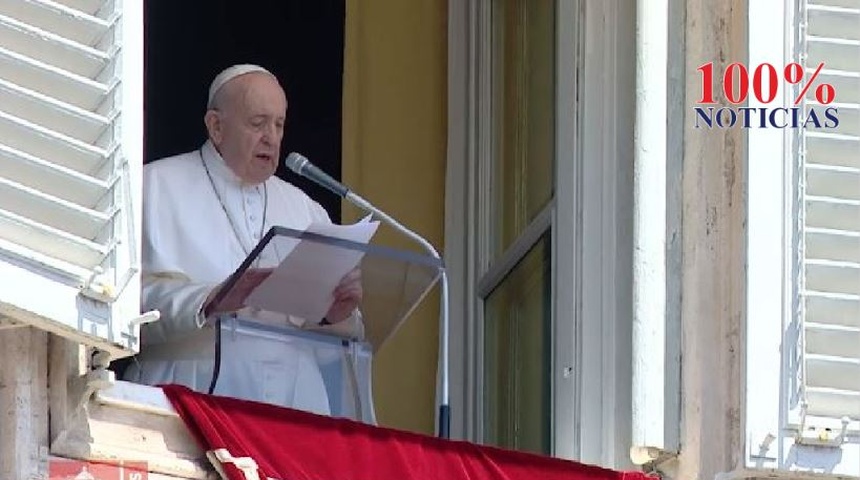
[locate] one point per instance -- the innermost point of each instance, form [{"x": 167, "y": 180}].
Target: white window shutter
[
  {"x": 71, "y": 127},
  {"x": 829, "y": 221}
]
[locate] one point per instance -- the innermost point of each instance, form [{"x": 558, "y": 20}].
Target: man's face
[{"x": 250, "y": 125}]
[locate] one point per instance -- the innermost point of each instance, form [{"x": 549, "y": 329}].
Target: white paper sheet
[{"x": 302, "y": 285}]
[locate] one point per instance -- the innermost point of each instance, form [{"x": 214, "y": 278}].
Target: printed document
[{"x": 302, "y": 285}]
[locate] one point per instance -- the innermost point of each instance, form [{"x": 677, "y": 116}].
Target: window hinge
[{"x": 98, "y": 287}]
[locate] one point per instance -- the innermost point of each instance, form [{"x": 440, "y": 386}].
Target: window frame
[
  {"x": 589, "y": 219},
  {"x": 491, "y": 272}
]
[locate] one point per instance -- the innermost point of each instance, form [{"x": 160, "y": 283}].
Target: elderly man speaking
[{"x": 203, "y": 213}]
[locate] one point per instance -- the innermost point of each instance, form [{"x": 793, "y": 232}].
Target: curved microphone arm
[
  {"x": 444, "y": 407},
  {"x": 299, "y": 164}
]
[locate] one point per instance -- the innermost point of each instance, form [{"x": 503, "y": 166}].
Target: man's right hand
[{"x": 239, "y": 291}]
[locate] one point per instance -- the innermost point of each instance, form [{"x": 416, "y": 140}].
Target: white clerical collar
[{"x": 217, "y": 164}]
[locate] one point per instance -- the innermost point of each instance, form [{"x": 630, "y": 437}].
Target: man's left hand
[{"x": 347, "y": 297}]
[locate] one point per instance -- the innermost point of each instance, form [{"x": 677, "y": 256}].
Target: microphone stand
[{"x": 444, "y": 406}]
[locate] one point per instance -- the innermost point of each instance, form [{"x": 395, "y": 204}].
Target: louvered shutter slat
[
  {"x": 831, "y": 217},
  {"x": 839, "y": 3},
  {"x": 834, "y": 372},
  {"x": 837, "y": 54},
  {"x": 833, "y": 21},
  {"x": 52, "y": 49},
  {"x": 49, "y": 145},
  {"x": 53, "y": 245},
  {"x": 831, "y": 308},
  {"x": 840, "y": 341},
  {"x": 67, "y": 22},
  {"x": 832, "y": 149},
  {"x": 49, "y": 80},
  {"x": 834, "y": 213},
  {"x": 839, "y": 182},
  {"x": 830, "y": 276},
  {"x": 52, "y": 211},
  {"x": 832, "y": 402},
  {"x": 844, "y": 83},
  {"x": 849, "y": 115},
  {"x": 91, "y": 7},
  {"x": 836, "y": 245},
  {"x": 60, "y": 117},
  {"x": 51, "y": 178}
]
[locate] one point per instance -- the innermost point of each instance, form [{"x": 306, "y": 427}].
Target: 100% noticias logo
[{"x": 765, "y": 86}]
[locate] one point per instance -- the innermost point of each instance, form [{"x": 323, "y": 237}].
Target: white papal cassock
[{"x": 190, "y": 246}]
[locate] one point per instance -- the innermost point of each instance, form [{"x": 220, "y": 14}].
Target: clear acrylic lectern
[{"x": 277, "y": 299}]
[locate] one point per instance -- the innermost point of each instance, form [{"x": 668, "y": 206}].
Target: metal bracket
[
  {"x": 820, "y": 436},
  {"x": 762, "y": 452},
  {"x": 130, "y": 338}
]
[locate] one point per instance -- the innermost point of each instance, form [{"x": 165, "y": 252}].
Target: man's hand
[
  {"x": 235, "y": 298},
  {"x": 347, "y": 297}
]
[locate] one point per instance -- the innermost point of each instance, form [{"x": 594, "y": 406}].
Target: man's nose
[{"x": 270, "y": 133}]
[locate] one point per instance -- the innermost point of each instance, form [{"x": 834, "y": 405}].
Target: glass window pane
[
  {"x": 523, "y": 115},
  {"x": 517, "y": 356}
]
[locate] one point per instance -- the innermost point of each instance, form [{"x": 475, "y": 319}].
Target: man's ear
[{"x": 213, "y": 125}]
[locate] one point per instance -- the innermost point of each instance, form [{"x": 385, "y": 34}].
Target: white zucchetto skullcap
[{"x": 230, "y": 73}]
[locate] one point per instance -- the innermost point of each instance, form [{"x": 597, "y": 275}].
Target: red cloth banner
[{"x": 286, "y": 444}]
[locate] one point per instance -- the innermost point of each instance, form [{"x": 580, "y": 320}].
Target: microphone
[{"x": 302, "y": 166}]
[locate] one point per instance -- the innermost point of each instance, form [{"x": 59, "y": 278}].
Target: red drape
[{"x": 289, "y": 444}]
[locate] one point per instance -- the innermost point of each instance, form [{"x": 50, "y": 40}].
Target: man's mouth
[{"x": 266, "y": 157}]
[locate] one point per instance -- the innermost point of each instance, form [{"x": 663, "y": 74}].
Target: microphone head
[
  {"x": 302, "y": 166},
  {"x": 296, "y": 162}
]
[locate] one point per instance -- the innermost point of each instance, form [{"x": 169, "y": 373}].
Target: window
[
  {"x": 804, "y": 250},
  {"x": 516, "y": 283},
  {"x": 523, "y": 105},
  {"x": 825, "y": 213},
  {"x": 537, "y": 235},
  {"x": 70, "y": 160},
  {"x": 517, "y": 355}
]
